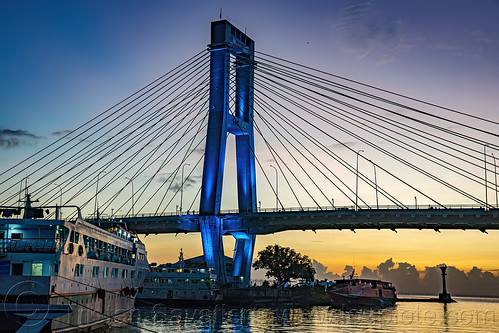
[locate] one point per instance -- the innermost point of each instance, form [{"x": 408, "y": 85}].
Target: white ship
[
  {"x": 58, "y": 275},
  {"x": 186, "y": 282}
]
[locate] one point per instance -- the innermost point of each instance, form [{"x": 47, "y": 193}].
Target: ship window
[
  {"x": 56, "y": 268},
  {"x": 2, "y": 234},
  {"x": 124, "y": 273},
  {"x": 61, "y": 233},
  {"x": 37, "y": 269},
  {"x": 17, "y": 269},
  {"x": 139, "y": 275},
  {"x": 77, "y": 270},
  {"x": 106, "y": 272},
  {"x": 132, "y": 274},
  {"x": 16, "y": 235},
  {"x": 82, "y": 270},
  {"x": 95, "y": 271}
]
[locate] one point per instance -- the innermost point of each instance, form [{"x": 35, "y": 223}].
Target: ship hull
[
  {"x": 352, "y": 301},
  {"x": 349, "y": 293},
  {"x": 73, "y": 276},
  {"x": 83, "y": 311}
]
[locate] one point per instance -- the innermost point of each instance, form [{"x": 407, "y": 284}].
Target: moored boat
[
  {"x": 75, "y": 274},
  {"x": 186, "y": 282},
  {"x": 357, "y": 292}
]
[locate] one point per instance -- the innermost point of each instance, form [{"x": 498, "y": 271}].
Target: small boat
[
  {"x": 356, "y": 292},
  {"x": 186, "y": 282}
]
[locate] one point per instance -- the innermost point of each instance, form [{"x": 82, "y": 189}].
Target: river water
[{"x": 467, "y": 315}]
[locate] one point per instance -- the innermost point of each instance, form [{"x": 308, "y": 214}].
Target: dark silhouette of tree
[{"x": 284, "y": 264}]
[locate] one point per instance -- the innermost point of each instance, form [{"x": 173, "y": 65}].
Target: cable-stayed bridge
[{"x": 319, "y": 151}]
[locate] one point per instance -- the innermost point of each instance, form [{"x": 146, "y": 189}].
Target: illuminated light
[{"x": 223, "y": 43}]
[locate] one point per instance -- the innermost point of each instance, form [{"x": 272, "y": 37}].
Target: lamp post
[
  {"x": 182, "y": 187},
  {"x": 276, "y": 188},
  {"x": 485, "y": 177},
  {"x": 133, "y": 203},
  {"x": 357, "y": 181},
  {"x": 416, "y": 202},
  {"x": 495, "y": 174},
  {"x": 375, "y": 185},
  {"x": 332, "y": 202},
  {"x": 96, "y": 207}
]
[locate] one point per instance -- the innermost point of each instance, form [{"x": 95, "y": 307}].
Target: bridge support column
[
  {"x": 243, "y": 255},
  {"x": 227, "y": 41},
  {"x": 211, "y": 235}
]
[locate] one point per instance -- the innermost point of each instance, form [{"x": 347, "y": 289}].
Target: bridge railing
[{"x": 313, "y": 209}]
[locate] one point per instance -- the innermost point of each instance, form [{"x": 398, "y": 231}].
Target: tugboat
[
  {"x": 186, "y": 282},
  {"x": 58, "y": 275},
  {"x": 356, "y": 292}
]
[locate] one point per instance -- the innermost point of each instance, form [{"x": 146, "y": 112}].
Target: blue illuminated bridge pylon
[{"x": 226, "y": 40}]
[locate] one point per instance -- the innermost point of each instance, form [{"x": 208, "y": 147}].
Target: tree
[{"x": 284, "y": 264}]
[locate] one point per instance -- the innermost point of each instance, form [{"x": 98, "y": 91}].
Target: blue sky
[
  {"x": 63, "y": 62},
  {"x": 69, "y": 60}
]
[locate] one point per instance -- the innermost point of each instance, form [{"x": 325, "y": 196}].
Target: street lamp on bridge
[
  {"x": 276, "y": 188},
  {"x": 96, "y": 207},
  {"x": 495, "y": 174},
  {"x": 357, "y": 181},
  {"x": 133, "y": 203},
  {"x": 182, "y": 187},
  {"x": 375, "y": 184}
]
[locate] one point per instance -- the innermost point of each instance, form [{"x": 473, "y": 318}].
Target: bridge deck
[{"x": 272, "y": 222}]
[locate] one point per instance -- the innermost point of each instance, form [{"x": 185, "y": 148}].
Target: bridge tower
[{"x": 227, "y": 41}]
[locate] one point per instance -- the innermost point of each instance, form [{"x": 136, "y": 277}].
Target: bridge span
[{"x": 263, "y": 223}]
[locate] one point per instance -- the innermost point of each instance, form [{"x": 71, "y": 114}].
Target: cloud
[
  {"x": 60, "y": 133},
  {"x": 15, "y": 138},
  {"x": 199, "y": 150},
  {"x": 407, "y": 279},
  {"x": 366, "y": 30},
  {"x": 343, "y": 144},
  {"x": 481, "y": 37},
  {"x": 321, "y": 272},
  {"x": 446, "y": 47},
  {"x": 188, "y": 182},
  {"x": 369, "y": 32}
]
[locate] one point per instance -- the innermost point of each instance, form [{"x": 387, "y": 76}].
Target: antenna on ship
[{"x": 181, "y": 258}]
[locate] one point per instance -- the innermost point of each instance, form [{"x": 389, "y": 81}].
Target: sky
[{"x": 62, "y": 63}]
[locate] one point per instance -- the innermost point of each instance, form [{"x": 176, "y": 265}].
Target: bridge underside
[{"x": 268, "y": 223}]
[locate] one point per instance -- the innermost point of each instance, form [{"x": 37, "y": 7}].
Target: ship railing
[{"x": 44, "y": 245}]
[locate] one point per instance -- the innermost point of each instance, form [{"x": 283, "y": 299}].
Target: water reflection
[{"x": 407, "y": 317}]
